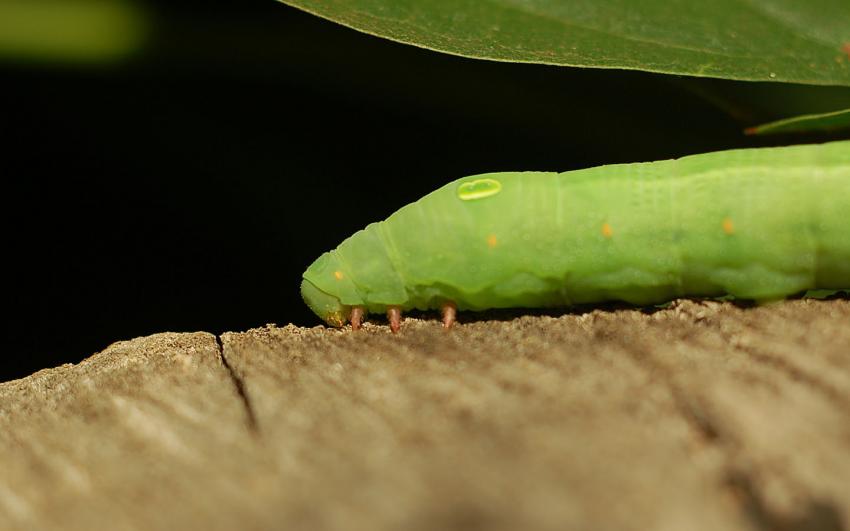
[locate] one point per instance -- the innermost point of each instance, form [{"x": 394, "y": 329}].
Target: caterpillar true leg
[
  {"x": 394, "y": 316},
  {"x": 356, "y": 317},
  {"x": 449, "y": 311}
]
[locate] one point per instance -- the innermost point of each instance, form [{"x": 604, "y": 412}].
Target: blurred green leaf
[
  {"x": 78, "y": 31},
  {"x": 829, "y": 121},
  {"x": 756, "y": 40}
]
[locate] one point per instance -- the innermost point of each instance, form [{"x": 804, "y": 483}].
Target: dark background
[{"x": 188, "y": 187}]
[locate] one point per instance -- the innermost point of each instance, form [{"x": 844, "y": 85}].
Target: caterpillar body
[{"x": 757, "y": 224}]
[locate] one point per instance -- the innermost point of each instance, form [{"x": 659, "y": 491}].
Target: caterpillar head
[{"x": 328, "y": 290}]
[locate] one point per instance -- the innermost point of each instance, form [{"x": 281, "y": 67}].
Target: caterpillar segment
[{"x": 758, "y": 224}]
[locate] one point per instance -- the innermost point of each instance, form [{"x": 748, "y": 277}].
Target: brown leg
[
  {"x": 356, "y": 317},
  {"x": 449, "y": 314},
  {"x": 394, "y": 316}
]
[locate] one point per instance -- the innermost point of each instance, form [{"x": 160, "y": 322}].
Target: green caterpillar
[{"x": 757, "y": 224}]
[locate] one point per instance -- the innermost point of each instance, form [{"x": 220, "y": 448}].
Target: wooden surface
[{"x": 700, "y": 416}]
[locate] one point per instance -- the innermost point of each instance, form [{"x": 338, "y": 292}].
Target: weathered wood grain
[{"x": 703, "y": 415}]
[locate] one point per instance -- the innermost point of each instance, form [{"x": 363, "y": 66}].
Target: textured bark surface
[{"x": 702, "y": 415}]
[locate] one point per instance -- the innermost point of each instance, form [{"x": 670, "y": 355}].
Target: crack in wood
[
  {"x": 239, "y": 384},
  {"x": 816, "y": 515},
  {"x": 793, "y": 372}
]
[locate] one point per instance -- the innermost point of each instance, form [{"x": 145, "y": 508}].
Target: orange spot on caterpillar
[
  {"x": 338, "y": 275},
  {"x": 846, "y": 49},
  {"x": 728, "y": 226},
  {"x": 607, "y": 231},
  {"x": 492, "y": 241}
]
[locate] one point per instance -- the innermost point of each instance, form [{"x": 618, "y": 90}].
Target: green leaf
[
  {"x": 829, "y": 121},
  {"x": 74, "y": 31},
  {"x": 802, "y": 41}
]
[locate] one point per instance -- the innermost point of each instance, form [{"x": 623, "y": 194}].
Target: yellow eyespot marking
[
  {"x": 728, "y": 226},
  {"x": 492, "y": 241},
  {"x": 338, "y": 275},
  {"x": 607, "y": 231},
  {"x": 478, "y": 189}
]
